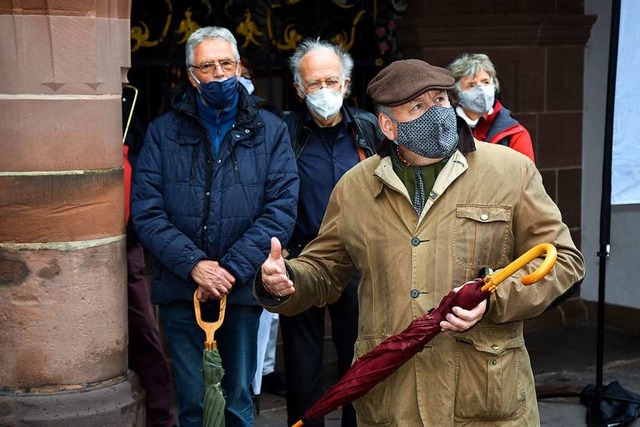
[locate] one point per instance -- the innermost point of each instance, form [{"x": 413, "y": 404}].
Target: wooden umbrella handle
[
  {"x": 492, "y": 281},
  {"x": 209, "y": 328}
]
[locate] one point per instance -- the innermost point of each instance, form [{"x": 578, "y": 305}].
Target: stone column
[{"x": 63, "y": 305}]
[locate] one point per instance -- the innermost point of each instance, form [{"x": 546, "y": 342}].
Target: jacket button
[
  {"x": 494, "y": 362},
  {"x": 205, "y": 227},
  {"x": 484, "y": 217},
  {"x": 415, "y": 241},
  {"x": 247, "y": 131},
  {"x": 237, "y": 136},
  {"x": 192, "y": 257},
  {"x": 207, "y": 194},
  {"x": 219, "y": 161},
  {"x": 414, "y": 293},
  {"x": 495, "y": 347}
]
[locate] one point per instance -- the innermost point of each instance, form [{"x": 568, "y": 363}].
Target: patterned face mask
[{"x": 433, "y": 135}]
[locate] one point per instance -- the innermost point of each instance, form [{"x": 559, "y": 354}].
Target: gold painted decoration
[
  {"x": 269, "y": 29},
  {"x": 140, "y": 34},
  {"x": 249, "y": 29},
  {"x": 187, "y": 27},
  {"x": 342, "y": 39},
  {"x": 291, "y": 38}
]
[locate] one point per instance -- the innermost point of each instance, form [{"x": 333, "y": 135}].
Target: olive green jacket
[{"x": 486, "y": 208}]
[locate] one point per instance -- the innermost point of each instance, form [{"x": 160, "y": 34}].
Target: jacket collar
[
  {"x": 185, "y": 102},
  {"x": 456, "y": 166}
]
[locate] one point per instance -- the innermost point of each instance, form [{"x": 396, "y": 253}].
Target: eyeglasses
[
  {"x": 207, "y": 67},
  {"x": 330, "y": 82}
]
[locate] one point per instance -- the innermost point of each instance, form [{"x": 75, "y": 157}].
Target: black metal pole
[{"x": 605, "y": 203}]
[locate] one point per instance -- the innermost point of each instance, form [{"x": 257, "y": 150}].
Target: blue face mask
[{"x": 218, "y": 94}]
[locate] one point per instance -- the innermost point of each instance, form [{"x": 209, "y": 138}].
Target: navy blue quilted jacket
[{"x": 187, "y": 205}]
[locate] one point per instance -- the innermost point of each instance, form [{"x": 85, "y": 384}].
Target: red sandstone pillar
[{"x": 63, "y": 307}]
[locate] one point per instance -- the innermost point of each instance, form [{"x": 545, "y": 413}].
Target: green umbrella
[{"x": 212, "y": 371}]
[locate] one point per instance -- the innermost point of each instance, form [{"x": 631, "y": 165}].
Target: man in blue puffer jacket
[{"x": 215, "y": 179}]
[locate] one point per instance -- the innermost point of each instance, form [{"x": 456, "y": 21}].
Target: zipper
[{"x": 236, "y": 170}]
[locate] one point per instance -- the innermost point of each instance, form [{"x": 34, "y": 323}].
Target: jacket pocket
[
  {"x": 184, "y": 151},
  {"x": 489, "y": 377},
  {"x": 373, "y": 407},
  {"x": 482, "y": 236}
]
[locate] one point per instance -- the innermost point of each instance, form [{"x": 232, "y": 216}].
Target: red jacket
[
  {"x": 500, "y": 127},
  {"x": 127, "y": 181}
]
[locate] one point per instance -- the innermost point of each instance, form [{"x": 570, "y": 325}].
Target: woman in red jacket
[{"x": 474, "y": 96}]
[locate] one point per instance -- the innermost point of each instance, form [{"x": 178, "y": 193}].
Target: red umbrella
[{"x": 373, "y": 367}]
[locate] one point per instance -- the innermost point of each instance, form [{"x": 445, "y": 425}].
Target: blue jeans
[{"x": 237, "y": 344}]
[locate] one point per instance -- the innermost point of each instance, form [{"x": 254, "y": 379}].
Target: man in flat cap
[{"x": 425, "y": 215}]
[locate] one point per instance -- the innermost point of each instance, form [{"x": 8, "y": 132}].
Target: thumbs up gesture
[{"x": 274, "y": 274}]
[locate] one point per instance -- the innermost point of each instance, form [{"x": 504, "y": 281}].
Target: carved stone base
[{"x": 118, "y": 402}]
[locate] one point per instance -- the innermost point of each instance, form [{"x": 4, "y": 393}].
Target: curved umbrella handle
[
  {"x": 492, "y": 281},
  {"x": 209, "y": 328}
]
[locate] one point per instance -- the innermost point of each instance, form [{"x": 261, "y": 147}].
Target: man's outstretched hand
[{"x": 274, "y": 274}]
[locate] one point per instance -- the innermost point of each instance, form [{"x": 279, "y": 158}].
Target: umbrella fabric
[
  {"x": 214, "y": 401},
  {"x": 373, "y": 367}
]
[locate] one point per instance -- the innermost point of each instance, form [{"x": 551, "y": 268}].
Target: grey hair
[
  {"x": 382, "y": 109},
  {"x": 469, "y": 65},
  {"x": 309, "y": 45},
  {"x": 206, "y": 33}
]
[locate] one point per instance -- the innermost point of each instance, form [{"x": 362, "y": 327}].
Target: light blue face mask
[
  {"x": 248, "y": 84},
  {"x": 479, "y": 99}
]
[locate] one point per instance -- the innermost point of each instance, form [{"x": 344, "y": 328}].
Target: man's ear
[
  {"x": 386, "y": 126},
  {"x": 298, "y": 90},
  {"x": 191, "y": 79},
  {"x": 345, "y": 86}
]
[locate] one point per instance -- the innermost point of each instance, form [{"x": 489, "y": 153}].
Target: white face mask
[
  {"x": 479, "y": 99},
  {"x": 324, "y": 103}
]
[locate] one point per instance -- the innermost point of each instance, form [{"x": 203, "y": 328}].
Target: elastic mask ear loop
[
  {"x": 393, "y": 120},
  {"x": 196, "y": 79}
]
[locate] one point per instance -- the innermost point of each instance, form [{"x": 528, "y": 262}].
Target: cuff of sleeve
[
  {"x": 265, "y": 297},
  {"x": 193, "y": 258}
]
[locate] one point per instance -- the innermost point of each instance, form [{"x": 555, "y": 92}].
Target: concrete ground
[{"x": 563, "y": 360}]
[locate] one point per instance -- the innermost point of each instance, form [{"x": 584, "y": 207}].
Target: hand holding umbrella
[{"x": 373, "y": 367}]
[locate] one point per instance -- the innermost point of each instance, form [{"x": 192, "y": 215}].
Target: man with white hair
[
  {"x": 328, "y": 139},
  {"x": 215, "y": 178}
]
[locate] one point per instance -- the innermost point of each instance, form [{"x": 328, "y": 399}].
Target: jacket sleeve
[
  {"x": 278, "y": 214},
  {"x": 537, "y": 220},
  {"x": 172, "y": 248}
]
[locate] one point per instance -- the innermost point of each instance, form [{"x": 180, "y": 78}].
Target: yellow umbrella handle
[
  {"x": 209, "y": 327},
  {"x": 492, "y": 281}
]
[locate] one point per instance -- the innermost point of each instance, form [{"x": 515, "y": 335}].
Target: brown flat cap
[{"x": 404, "y": 80}]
